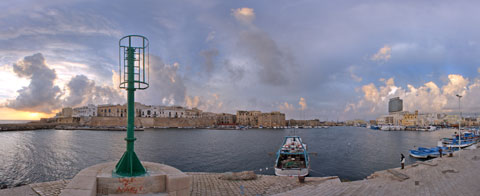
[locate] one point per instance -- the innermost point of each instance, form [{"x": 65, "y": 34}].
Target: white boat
[{"x": 292, "y": 158}]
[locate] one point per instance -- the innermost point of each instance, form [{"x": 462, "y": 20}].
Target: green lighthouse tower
[{"x": 133, "y": 74}]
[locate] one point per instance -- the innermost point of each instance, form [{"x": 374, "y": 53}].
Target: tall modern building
[{"x": 395, "y": 105}]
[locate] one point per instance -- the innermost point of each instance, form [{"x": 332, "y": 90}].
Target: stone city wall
[{"x": 149, "y": 122}]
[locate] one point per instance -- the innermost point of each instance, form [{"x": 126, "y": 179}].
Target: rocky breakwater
[{"x": 27, "y": 126}]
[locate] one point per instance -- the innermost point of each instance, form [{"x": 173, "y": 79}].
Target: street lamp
[{"x": 459, "y": 122}]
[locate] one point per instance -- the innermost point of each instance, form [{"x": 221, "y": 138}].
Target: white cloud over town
[
  {"x": 428, "y": 97},
  {"x": 383, "y": 54}
]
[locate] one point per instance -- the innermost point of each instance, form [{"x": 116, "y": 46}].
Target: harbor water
[{"x": 352, "y": 153}]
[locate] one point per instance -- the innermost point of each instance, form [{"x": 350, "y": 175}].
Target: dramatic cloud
[
  {"x": 209, "y": 103},
  {"x": 57, "y": 22},
  {"x": 41, "y": 95},
  {"x": 273, "y": 62},
  {"x": 258, "y": 45},
  {"x": 383, "y": 54},
  {"x": 255, "y": 56},
  {"x": 426, "y": 98},
  {"x": 192, "y": 102},
  {"x": 457, "y": 84},
  {"x": 236, "y": 73},
  {"x": 302, "y": 103},
  {"x": 83, "y": 91},
  {"x": 286, "y": 107},
  {"x": 244, "y": 15},
  {"x": 166, "y": 85}
]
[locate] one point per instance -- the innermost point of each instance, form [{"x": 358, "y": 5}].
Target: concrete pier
[{"x": 457, "y": 175}]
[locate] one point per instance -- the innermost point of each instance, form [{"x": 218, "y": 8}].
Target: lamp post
[{"x": 459, "y": 122}]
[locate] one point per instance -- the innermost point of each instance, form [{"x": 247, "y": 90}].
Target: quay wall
[{"x": 148, "y": 122}]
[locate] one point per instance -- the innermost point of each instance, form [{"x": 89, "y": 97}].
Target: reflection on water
[{"x": 348, "y": 152}]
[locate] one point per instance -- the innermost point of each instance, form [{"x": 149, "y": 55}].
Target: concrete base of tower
[{"x": 100, "y": 179}]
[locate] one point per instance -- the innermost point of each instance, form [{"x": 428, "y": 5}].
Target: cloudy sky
[{"x": 310, "y": 59}]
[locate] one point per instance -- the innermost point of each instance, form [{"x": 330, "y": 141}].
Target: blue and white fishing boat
[
  {"x": 459, "y": 144},
  {"x": 465, "y": 140},
  {"x": 292, "y": 158},
  {"x": 424, "y": 153},
  {"x": 418, "y": 154}
]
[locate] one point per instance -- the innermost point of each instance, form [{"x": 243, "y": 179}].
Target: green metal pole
[{"x": 129, "y": 164}]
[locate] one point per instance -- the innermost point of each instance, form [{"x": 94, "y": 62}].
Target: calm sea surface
[{"x": 348, "y": 152}]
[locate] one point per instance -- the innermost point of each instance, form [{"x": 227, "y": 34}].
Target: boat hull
[
  {"x": 291, "y": 172},
  {"x": 418, "y": 154},
  {"x": 459, "y": 146}
]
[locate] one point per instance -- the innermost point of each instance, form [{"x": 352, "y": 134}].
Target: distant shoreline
[{"x": 15, "y": 121}]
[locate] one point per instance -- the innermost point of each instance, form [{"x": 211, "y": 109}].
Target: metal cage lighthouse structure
[{"x": 133, "y": 75}]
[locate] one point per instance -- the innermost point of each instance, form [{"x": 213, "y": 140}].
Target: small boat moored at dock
[
  {"x": 423, "y": 153},
  {"x": 292, "y": 158}
]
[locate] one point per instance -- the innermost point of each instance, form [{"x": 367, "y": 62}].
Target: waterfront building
[
  {"x": 395, "y": 105},
  {"x": 119, "y": 110},
  {"x": 470, "y": 121},
  {"x": 225, "y": 119},
  {"x": 150, "y": 111},
  {"x": 311, "y": 123},
  {"x": 112, "y": 110},
  {"x": 391, "y": 119},
  {"x": 410, "y": 120},
  {"x": 85, "y": 111},
  {"x": 452, "y": 119},
  {"x": 66, "y": 112},
  {"x": 208, "y": 115},
  {"x": 169, "y": 112},
  {"x": 248, "y": 118},
  {"x": 173, "y": 112},
  {"x": 272, "y": 119},
  {"x": 193, "y": 113}
]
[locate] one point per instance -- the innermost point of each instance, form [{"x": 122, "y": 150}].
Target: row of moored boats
[
  {"x": 447, "y": 145},
  {"x": 401, "y": 128}
]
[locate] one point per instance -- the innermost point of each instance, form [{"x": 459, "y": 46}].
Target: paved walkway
[
  {"x": 210, "y": 184},
  {"x": 458, "y": 175},
  {"x": 43, "y": 189}
]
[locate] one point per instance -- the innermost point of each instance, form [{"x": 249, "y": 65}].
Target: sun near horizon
[{"x": 11, "y": 114}]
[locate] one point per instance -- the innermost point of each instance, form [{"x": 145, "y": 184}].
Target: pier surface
[{"x": 457, "y": 175}]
